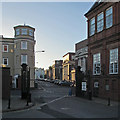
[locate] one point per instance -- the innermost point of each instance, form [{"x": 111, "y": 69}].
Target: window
[
  {"x": 31, "y": 32},
  {"x": 100, "y": 22},
  {"x": 5, "y": 61},
  {"x": 23, "y": 45},
  {"x": 17, "y": 31},
  {"x": 92, "y": 26},
  {"x": 113, "y": 67},
  {"x": 23, "y": 59},
  {"x": 96, "y": 64},
  {"x": 109, "y": 17},
  {"x": 5, "y": 48},
  {"x": 24, "y": 31}
]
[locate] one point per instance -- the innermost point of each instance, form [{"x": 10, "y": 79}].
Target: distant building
[
  {"x": 57, "y": 69},
  {"x": 46, "y": 74},
  {"x": 19, "y": 50},
  {"x": 39, "y": 73},
  {"x": 68, "y": 65},
  {"x": 104, "y": 49},
  {"x": 50, "y": 73},
  {"x": 73, "y": 79}
]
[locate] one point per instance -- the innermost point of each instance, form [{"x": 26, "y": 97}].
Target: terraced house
[
  {"x": 104, "y": 49},
  {"x": 19, "y": 50}
]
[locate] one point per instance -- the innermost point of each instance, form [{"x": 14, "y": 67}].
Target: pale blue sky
[{"x": 58, "y": 26}]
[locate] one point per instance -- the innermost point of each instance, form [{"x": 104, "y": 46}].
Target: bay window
[
  {"x": 31, "y": 32},
  {"x": 17, "y": 31},
  {"x": 24, "y": 31}
]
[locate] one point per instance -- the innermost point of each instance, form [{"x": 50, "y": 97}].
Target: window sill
[
  {"x": 113, "y": 73},
  {"x": 5, "y": 51},
  {"x": 96, "y": 74}
]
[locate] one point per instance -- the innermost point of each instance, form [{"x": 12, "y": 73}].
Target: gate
[{"x": 25, "y": 82}]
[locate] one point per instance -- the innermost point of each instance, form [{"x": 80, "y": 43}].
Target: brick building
[{"x": 104, "y": 49}]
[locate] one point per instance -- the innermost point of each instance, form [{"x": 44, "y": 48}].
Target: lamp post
[{"x": 40, "y": 51}]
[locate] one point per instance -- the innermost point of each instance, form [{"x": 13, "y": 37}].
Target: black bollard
[
  {"x": 9, "y": 103},
  {"x": 109, "y": 101},
  {"x": 27, "y": 101},
  {"x": 90, "y": 95}
]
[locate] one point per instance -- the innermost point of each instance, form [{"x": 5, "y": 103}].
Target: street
[{"x": 53, "y": 101}]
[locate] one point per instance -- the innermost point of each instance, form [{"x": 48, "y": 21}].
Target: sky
[{"x": 58, "y": 26}]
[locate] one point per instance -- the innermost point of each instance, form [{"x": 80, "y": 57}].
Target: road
[{"x": 52, "y": 101}]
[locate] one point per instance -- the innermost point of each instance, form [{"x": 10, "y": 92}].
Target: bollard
[
  {"x": 27, "y": 100},
  {"x": 70, "y": 92},
  {"x": 9, "y": 103},
  {"x": 90, "y": 95},
  {"x": 108, "y": 101}
]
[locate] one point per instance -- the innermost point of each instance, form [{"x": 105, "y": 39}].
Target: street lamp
[{"x": 40, "y": 51}]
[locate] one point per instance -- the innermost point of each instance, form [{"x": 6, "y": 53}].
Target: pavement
[{"x": 16, "y": 103}]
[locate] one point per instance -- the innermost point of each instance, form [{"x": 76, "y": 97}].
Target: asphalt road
[{"x": 52, "y": 101}]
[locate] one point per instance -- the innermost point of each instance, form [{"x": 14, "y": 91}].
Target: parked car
[
  {"x": 45, "y": 80},
  {"x": 65, "y": 83},
  {"x": 52, "y": 81},
  {"x": 56, "y": 81}
]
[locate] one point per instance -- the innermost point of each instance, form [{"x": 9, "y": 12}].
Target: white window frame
[
  {"x": 113, "y": 61},
  {"x": 30, "y": 32},
  {"x": 17, "y": 32},
  {"x": 97, "y": 63},
  {"x": 23, "y": 43},
  {"x": 109, "y": 17},
  {"x": 100, "y": 22},
  {"x": 24, "y": 31},
  {"x": 3, "y": 48},
  {"x": 92, "y": 26},
  {"x": 4, "y": 60},
  {"x": 22, "y": 59}
]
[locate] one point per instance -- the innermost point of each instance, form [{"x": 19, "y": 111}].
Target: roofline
[
  {"x": 81, "y": 41},
  {"x": 96, "y": 4},
  {"x": 24, "y": 26},
  {"x": 6, "y": 37},
  {"x": 69, "y": 53}
]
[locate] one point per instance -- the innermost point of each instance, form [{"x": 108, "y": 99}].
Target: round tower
[{"x": 24, "y": 50}]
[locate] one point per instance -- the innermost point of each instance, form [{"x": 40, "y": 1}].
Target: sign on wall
[
  {"x": 96, "y": 84},
  {"x": 84, "y": 86}
]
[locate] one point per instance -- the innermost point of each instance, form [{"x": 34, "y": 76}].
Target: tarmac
[{"x": 16, "y": 103}]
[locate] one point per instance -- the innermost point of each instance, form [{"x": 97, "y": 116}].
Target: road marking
[{"x": 39, "y": 108}]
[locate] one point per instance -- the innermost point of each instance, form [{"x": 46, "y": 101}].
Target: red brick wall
[{"x": 102, "y": 42}]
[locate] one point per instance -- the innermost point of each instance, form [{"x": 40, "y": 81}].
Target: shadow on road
[{"x": 54, "y": 113}]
